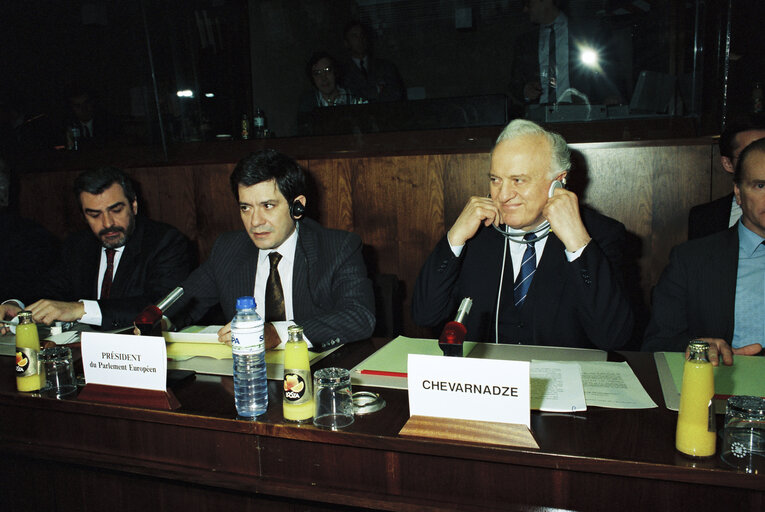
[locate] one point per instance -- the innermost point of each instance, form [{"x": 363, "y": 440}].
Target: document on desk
[
  {"x": 556, "y": 387},
  {"x": 613, "y": 385}
]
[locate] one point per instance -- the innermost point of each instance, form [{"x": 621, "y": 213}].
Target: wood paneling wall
[{"x": 402, "y": 205}]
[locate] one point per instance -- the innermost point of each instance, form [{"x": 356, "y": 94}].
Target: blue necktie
[{"x": 528, "y": 267}]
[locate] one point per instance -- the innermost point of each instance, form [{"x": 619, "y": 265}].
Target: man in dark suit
[
  {"x": 323, "y": 284},
  {"x": 365, "y": 75},
  {"x": 560, "y": 62},
  {"x": 539, "y": 271},
  {"x": 107, "y": 279},
  {"x": 722, "y": 213},
  {"x": 714, "y": 287}
]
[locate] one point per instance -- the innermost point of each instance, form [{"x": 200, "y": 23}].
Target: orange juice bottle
[
  {"x": 29, "y": 374},
  {"x": 298, "y": 387},
  {"x": 696, "y": 435}
]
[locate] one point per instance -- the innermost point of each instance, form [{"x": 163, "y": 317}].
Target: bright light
[
  {"x": 589, "y": 57},
  {"x": 209, "y": 95},
  {"x": 186, "y": 93}
]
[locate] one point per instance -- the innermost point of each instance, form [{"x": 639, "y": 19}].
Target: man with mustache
[{"x": 108, "y": 279}]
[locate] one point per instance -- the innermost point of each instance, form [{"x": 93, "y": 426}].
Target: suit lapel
[
  {"x": 306, "y": 257},
  {"x": 727, "y": 275},
  {"x": 129, "y": 261},
  {"x": 548, "y": 283}
]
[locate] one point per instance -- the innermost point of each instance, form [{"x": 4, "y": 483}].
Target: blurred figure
[
  {"x": 21, "y": 132},
  {"x": 97, "y": 127},
  {"x": 559, "y": 62},
  {"x": 322, "y": 71},
  {"x": 367, "y": 76},
  {"x": 27, "y": 250}
]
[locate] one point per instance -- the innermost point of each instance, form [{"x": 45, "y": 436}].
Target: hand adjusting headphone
[
  {"x": 296, "y": 209},
  {"x": 516, "y": 235}
]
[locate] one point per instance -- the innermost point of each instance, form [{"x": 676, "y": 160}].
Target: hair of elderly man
[
  {"x": 757, "y": 146},
  {"x": 560, "y": 160}
]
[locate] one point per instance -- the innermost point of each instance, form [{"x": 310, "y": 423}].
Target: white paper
[
  {"x": 470, "y": 389},
  {"x": 125, "y": 360},
  {"x": 613, "y": 385},
  {"x": 557, "y": 387}
]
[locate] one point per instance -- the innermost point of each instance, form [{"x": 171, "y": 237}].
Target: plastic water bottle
[{"x": 249, "y": 351}]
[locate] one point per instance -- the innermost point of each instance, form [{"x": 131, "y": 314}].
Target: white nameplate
[
  {"x": 469, "y": 389},
  {"x": 124, "y": 360}
]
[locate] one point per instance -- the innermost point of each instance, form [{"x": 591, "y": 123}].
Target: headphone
[
  {"x": 516, "y": 235},
  {"x": 296, "y": 209}
]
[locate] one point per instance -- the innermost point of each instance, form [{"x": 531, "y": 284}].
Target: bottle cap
[
  {"x": 294, "y": 329},
  {"x": 245, "y": 302},
  {"x": 25, "y": 317}
]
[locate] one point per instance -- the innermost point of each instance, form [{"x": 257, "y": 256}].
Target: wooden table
[{"x": 73, "y": 455}]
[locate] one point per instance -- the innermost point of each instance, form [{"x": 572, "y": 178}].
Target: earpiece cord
[
  {"x": 518, "y": 237},
  {"x": 499, "y": 294}
]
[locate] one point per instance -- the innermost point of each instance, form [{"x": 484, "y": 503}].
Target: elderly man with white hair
[{"x": 541, "y": 270}]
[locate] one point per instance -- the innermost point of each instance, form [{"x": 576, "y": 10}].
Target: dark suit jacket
[
  {"x": 575, "y": 304},
  {"x": 705, "y": 219},
  {"x": 379, "y": 71},
  {"x": 332, "y": 297},
  {"x": 156, "y": 259},
  {"x": 696, "y": 294}
]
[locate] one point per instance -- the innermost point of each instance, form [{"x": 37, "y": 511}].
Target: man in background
[
  {"x": 367, "y": 76},
  {"x": 722, "y": 213},
  {"x": 714, "y": 287}
]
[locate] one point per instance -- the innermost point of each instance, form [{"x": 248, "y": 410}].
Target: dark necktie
[
  {"x": 106, "y": 282},
  {"x": 526, "y": 274},
  {"x": 274, "y": 293},
  {"x": 551, "y": 65},
  {"x": 363, "y": 68}
]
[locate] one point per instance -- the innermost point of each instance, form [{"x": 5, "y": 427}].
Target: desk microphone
[
  {"x": 149, "y": 319},
  {"x": 454, "y": 332}
]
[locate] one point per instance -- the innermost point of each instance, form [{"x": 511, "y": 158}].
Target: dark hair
[
  {"x": 95, "y": 181},
  {"x": 756, "y": 146},
  {"x": 742, "y": 123},
  {"x": 266, "y": 165},
  {"x": 316, "y": 57}
]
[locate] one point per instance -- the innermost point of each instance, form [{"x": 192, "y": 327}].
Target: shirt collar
[
  {"x": 286, "y": 249},
  {"x": 748, "y": 241}
]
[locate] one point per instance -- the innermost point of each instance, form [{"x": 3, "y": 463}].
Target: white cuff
[
  {"x": 92, "y": 314},
  {"x": 571, "y": 256}
]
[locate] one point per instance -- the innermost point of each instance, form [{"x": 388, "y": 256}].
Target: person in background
[
  {"x": 97, "y": 127},
  {"x": 298, "y": 271},
  {"x": 323, "y": 73},
  {"x": 714, "y": 287},
  {"x": 365, "y": 75},
  {"x": 27, "y": 249},
  {"x": 111, "y": 272},
  {"x": 541, "y": 270},
  {"x": 720, "y": 214}
]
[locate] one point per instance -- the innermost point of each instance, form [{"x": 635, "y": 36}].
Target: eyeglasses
[{"x": 321, "y": 71}]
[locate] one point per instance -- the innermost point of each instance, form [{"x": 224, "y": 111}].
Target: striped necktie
[
  {"x": 106, "y": 282},
  {"x": 274, "y": 292},
  {"x": 528, "y": 267}
]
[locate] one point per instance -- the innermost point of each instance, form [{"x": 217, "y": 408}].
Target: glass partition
[{"x": 97, "y": 72}]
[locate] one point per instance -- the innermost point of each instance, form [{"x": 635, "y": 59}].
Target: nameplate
[
  {"x": 124, "y": 360},
  {"x": 469, "y": 389}
]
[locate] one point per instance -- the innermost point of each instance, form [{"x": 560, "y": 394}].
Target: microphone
[
  {"x": 454, "y": 332},
  {"x": 148, "y": 320}
]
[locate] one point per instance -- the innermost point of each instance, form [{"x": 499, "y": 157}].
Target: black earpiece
[{"x": 296, "y": 209}]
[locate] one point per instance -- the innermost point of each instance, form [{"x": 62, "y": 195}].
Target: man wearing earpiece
[
  {"x": 297, "y": 270},
  {"x": 540, "y": 269}
]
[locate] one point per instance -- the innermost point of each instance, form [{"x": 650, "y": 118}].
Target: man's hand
[
  {"x": 7, "y": 312},
  {"x": 477, "y": 211},
  {"x": 271, "y": 337},
  {"x": 562, "y": 212},
  {"x": 720, "y": 348},
  {"x": 532, "y": 91},
  {"x": 48, "y": 311}
]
